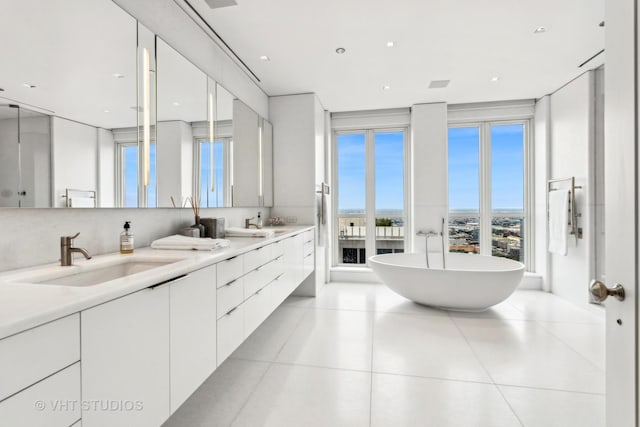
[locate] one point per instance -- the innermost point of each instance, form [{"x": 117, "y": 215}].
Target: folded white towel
[
  {"x": 558, "y": 221},
  {"x": 180, "y": 242},
  {"x": 248, "y": 232}
]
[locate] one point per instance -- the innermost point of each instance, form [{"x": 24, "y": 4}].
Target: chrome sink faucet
[
  {"x": 67, "y": 250},
  {"x": 249, "y": 224}
]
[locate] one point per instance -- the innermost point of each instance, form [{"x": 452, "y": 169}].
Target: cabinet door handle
[
  {"x": 230, "y": 283},
  {"x": 175, "y": 279},
  {"x": 231, "y": 311}
]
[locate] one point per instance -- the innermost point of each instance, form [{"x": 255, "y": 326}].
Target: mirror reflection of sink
[{"x": 100, "y": 275}]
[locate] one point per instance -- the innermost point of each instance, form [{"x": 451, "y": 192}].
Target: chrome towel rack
[
  {"x": 573, "y": 212},
  {"x": 89, "y": 196}
]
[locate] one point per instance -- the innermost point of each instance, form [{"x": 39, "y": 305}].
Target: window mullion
[
  {"x": 370, "y": 199},
  {"x": 485, "y": 189}
]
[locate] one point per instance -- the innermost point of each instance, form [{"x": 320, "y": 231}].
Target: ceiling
[{"x": 468, "y": 42}]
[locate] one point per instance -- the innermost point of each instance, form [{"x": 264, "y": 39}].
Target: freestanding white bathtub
[{"x": 469, "y": 282}]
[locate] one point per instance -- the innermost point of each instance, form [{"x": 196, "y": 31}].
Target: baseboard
[
  {"x": 353, "y": 275},
  {"x": 531, "y": 281}
]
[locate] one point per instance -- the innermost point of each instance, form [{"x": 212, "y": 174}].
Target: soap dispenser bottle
[
  {"x": 126, "y": 239},
  {"x": 259, "y": 222}
]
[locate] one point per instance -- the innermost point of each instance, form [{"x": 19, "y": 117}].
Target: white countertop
[{"x": 25, "y": 304}]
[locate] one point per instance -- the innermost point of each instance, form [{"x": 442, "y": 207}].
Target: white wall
[
  {"x": 429, "y": 189},
  {"x": 106, "y": 169},
  {"x": 74, "y": 153},
  {"x": 174, "y": 158},
  {"x": 32, "y": 236},
  {"x": 542, "y": 129},
  {"x": 571, "y": 153}
]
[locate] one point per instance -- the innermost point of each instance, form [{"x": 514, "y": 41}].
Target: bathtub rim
[{"x": 517, "y": 265}]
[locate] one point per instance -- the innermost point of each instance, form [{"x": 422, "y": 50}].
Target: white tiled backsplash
[{"x": 32, "y": 236}]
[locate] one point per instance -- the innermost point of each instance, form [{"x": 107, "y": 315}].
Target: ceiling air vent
[
  {"x": 217, "y": 4},
  {"x": 438, "y": 84}
]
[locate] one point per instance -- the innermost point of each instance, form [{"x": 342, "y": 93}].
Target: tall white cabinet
[{"x": 299, "y": 150}]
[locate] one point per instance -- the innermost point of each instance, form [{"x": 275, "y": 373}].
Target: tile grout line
[
  {"x": 246, "y": 401},
  {"x": 487, "y": 371},
  {"x": 373, "y": 325},
  {"x": 550, "y": 332},
  {"x": 270, "y": 365}
]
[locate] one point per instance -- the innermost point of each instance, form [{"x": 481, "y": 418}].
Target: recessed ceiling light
[
  {"x": 386, "y": 87},
  {"x": 340, "y": 50},
  {"x": 495, "y": 79},
  {"x": 391, "y": 44},
  {"x": 539, "y": 30},
  {"x": 118, "y": 76},
  {"x": 107, "y": 111},
  {"x": 30, "y": 86},
  {"x": 176, "y": 104},
  {"x": 265, "y": 58}
]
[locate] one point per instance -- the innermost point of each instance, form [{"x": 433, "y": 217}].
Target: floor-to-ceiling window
[
  {"x": 127, "y": 162},
  {"x": 370, "y": 194},
  {"x": 487, "y": 186},
  {"x": 212, "y": 172}
]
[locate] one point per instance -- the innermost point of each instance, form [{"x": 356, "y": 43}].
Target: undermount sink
[{"x": 100, "y": 275}]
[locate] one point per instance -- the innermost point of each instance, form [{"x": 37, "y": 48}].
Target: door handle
[{"x": 600, "y": 292}]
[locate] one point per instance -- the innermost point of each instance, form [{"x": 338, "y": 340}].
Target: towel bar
[{"x": 573, "y": 212}]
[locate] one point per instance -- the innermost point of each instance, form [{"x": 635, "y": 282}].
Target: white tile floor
[{"x": 360, "y": 355}]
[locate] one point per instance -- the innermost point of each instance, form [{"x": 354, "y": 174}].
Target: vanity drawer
[
  {"x": 256, "y": 309},
  {"x": 277, "y": 249},
  {"x": 262, "y": 276},
  {"x": 230, "y": 332},
  {"x": 229, "y": 296},
  {"x": 279, "y": 290},
  {"x": 308, "y": 248},
  {"x": 308, "y": 264},
  {"x": 53, "y": 402},
  {"x": 32, "y": 355},
  {"x": 309, "y": 235},
  {"x": 229, "y": 270},
  {"x": 257, "y": 257}
]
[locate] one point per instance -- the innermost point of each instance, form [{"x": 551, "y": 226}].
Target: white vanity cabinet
[
  {"x": 192, "y": 306},
  {"x": 40, "y": 375},
  {"x": 125, "y": 360},
  {"x": 308, "y": 253}
]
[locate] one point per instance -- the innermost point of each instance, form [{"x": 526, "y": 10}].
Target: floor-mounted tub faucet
[{"x": 431, "y": 233}]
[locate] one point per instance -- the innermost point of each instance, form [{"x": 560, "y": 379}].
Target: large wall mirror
[{"x": 97, "y": 111}]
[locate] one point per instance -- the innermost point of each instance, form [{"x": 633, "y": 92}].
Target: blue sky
[
  {"x": 389, "y": 171},
  {"x": 464, "y": 169},
  {"x": 506, "y": 168}
]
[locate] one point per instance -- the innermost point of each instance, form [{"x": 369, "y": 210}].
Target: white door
[{"x": 621, "y": 213}]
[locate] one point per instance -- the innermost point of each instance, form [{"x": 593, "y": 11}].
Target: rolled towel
[
  {"x": 180, "y": 242},
  {"x": 248, "y": 232}
]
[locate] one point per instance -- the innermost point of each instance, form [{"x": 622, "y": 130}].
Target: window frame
[
  {"x": 370, "y": 188},
  {"x": 486, "y": 212},
  {"x": 227, "y": 164}
]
